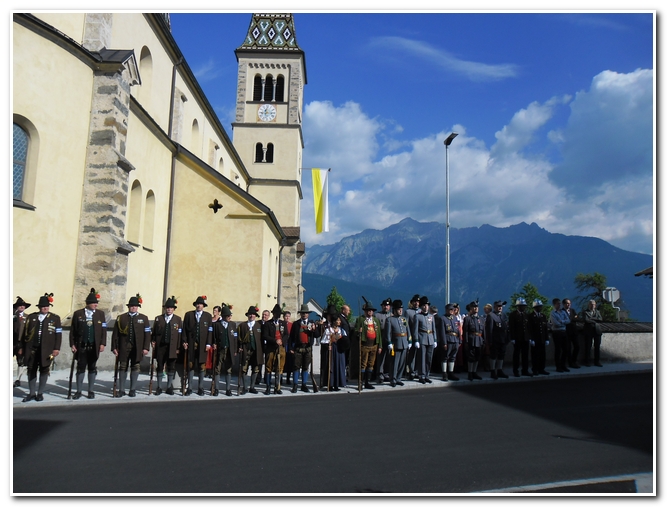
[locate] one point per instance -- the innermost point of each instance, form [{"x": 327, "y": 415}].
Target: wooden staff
[
  {"x": 71, "y": 374},
  {"x": 115, "y": 374},
  {"x": 150, "y": 383},
  {"x": 214, "y": 387},
  {"x": 185, "y": 368}
]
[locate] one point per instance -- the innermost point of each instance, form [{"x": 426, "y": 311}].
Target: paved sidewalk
[{"x": 56, "y": 390}]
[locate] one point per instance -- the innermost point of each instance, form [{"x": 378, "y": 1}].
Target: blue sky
[{"x": 554, "y": 113}]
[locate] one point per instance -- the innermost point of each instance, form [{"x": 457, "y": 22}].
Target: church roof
[{"x": 271, "y": 31}]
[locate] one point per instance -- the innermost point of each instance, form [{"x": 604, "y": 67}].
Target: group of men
[{"x": 391, "y": 345}]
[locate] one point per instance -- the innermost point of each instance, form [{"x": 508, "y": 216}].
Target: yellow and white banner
[{"x": 321, "y": 199}]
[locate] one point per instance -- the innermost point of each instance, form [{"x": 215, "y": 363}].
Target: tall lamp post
[{"x": 448, "y": 141}]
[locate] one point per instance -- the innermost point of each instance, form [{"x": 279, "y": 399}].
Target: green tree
[
  {"x": 591, "y": 286},
  {"x": 530, "y": 293},
  {"x": 334, "y": 298}
]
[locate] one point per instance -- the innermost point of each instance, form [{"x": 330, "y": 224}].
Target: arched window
[
  {"x": 149, "y": 220},
  {"x": 21, "y": 142},
  {"x": 221, "y": 165},
  {"x": 134, "y": 213},
  {"x": 269, "y": 153},
  {"x": 259, "y": 152},
  {"x": 280, "y": 89},
  {"x": 257, "y": 89},
  {"x": 268, "y": 89},
  {"x": 195, "y": 137},
  {"x": 146, "y": 73}
]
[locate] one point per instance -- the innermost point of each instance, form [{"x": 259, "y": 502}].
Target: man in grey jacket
[
  {"x": 397, "y": 333},
  {"x": 423, "y": 329}
]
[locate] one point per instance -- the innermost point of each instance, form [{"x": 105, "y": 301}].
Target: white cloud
[
  {"x": 207, "y": 71},
  {"x": 475, "y": 71},
  {"x": 500, "y": 185}
]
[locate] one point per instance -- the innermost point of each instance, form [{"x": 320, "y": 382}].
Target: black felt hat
[
  {"x": 135, "y": 301},
  {"x": 45, "y": 300},
  {"x": 252, "y": 310},
  {"x": 93, "y": 297},
  {"x": 201, "y": 300},
  {"x": 20, "y": 302},
  {"x": 171, "y": 302},
  {"x": 396, "y": 304},
  {"x": 423, "y": 301}
]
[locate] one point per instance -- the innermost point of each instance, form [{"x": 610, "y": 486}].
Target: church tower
[{"x": 268, "y": 134}]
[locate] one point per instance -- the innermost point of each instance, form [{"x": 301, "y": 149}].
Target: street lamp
[{"x": 448, "y": 141}]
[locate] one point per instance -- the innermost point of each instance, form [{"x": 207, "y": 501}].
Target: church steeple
[{"x": 271, "y": 31}]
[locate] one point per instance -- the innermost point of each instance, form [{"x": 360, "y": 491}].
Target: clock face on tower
[{"x": 266, "y": 112}]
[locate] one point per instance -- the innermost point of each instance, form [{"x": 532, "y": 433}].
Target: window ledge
[{"x": 18, "y": 203}]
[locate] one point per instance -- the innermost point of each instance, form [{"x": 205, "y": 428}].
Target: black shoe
[
  {"x": 158, "y": 391},
  {"x": 575, "y": 366},
  {"x": 560, "y": 370},
  {"x": 494, "y": 375},
  {"x": 91, "y": 395},
  {"x": 200, "y": 391},
  {"x": 188, "y": 392},
  {"x": 278, "y": 391},
  {"x": 399, "y": 383},
  {"x": 526, "y": 373},
  {"x": 215, "y": 393},
  {"x": 475, "y": 376},
  {"x": 132, "y": 393},
  {"x": 598, "y": 364},
  {"x": 544, "y": 372},
  {"x": 516, "y": 373},
  {"x": 422, "y": 381},
  {"x": 429, "y": 381},
  {"x": 170, "y": 391},
  {"x": 444, "y": 377},
  {"x": 304, "y": 388},
  {"x": 567, "y": 370},
  {"x": 17, "y": 383},
  {"x": 77, "y": 395},
  {"x": 267, "y": 391},
  {"x": 294, "y": 388},
  {"x": 392, "y": 383},
  {"x": 587, "y": 364},
  {"x": 470, "y": 375},
  {"x": 120, "y": 394},
  {"x": 368, "y": 385},
  {"x": 241, "y": 392},
  {"x": 451, "y": 376},
  {"x": 228, "y": 392},
  {"x": 336, "y": 388},
  {"x": 502, "y": 374},
  {"x": 39, "y": 397},
  {"x": 29, "y": 398},
  {"x": 252, "y": 390}
]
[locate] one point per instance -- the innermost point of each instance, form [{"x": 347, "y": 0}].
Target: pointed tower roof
[{"x": 271, "y": 32}]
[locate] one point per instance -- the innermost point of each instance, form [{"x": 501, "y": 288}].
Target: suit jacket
[
  {"x": 269, "y": 335},
  {"x": 496, "y": 328},
  {"x": 473, "y": 331},
  {"x": 539, "y": 331},
  {"x": 421, "y": 325},
  {"x": 394, "y": 327},
  {"x": 51, "y": 339},
  {"x": 450, "y": 328},
  {"x": 79, "y": 331},
  {"x": 248, "y": 339},
  {"x": 205, "y": 327},
  {"x": 519, "y": 326},
  {"x": 294, "y": 340},
  {"x": 18, "y": 325},
  {"x": 173, "y": 332},
  {"x": 142, "y": 335}
]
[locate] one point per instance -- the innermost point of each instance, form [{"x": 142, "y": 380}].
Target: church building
[{"x": 125, "y": 180}]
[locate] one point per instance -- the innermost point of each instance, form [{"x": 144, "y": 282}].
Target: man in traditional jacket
[
  {"x": 496, "y": 331},
  {"x": 449, "y": 338},
  {"x": 167, "y": 340},
  {"x": 473, "y": 334},
  {"x": 397, "y": 334},
  {"x": 250, "y": 349},
  {"x": 301, "y": 339},
  {"x": 274, "y": 338},
  {"x": 380, "y": 367},
  {"x": 539, "y": 336},
  {"x": 18, "y": 325},
  {"x": 87, "y": 339},
  {"x": 40, "y": 344},
  {"x": 198, "y": 329},
  {"x": 225, "y": 341},
  {"x": 369, "y": 332},
  {"x": 520, "y": 336},
  {"x": 410, "y": 312},
  {"x": 423, "y": 329},
  {"x": 130, "y": 342}
]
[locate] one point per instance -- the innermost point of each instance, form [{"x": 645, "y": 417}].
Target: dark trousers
[
  {"x": 574, "y": 354},
  {"x": 539, "y": 356},
  {"x": 595, "y": 340},
  {"x": 86, "y": 357},
  {"x": 520, "y": 356},
  {"x": 162, "y": 356},
  {"x": 562, "y": 348},
  {"x": 425, "y": 359}
]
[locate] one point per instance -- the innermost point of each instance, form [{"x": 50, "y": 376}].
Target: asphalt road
[{"x": 473, "y": 437}]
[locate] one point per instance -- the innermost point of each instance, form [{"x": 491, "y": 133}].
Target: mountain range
[{"x": 487, "y": 262}]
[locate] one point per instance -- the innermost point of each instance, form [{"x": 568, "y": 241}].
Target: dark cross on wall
[{"x": 215, "y": 205}]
